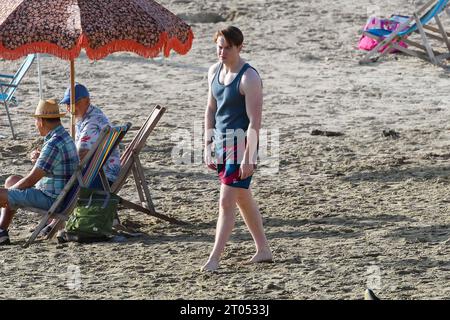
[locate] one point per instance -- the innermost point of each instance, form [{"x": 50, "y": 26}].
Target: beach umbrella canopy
[{"x": 64, "y": 27}]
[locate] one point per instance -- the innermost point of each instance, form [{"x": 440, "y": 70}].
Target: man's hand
[
  {"x": 246, "y": 170},
  {"x": 209, "y": 159},
  {"x": 34, "y": 155}
]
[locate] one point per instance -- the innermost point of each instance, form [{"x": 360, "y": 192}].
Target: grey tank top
[{"x": 231, "y": 113}]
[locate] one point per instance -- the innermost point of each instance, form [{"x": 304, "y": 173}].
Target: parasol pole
[
  {"x": 41, "y": 96},
  {"x": 72, "y": 98}
]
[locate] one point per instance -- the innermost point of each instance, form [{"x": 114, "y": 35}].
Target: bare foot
[
  {"x": 210, "y": 266},
  {"x": 262, "y": 256}
]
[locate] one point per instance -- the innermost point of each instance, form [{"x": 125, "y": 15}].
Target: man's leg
[
  {"x": 3, "y": 197},
  {"x": 252, "y": 218},
  {"x": 225, "y": 224},
  {"x": 7, "y": 214}
]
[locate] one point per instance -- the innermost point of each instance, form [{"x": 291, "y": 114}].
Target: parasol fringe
[
  {"x": 178, "y": 46},
  {"x": 164, "y": 45},
  {"x": 40, "y": 47},
  {"x": 124, "y": 45}
]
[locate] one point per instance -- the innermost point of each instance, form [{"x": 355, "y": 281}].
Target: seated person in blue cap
[{"x": 90, "y": 120}]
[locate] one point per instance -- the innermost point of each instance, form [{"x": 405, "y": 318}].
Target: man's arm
[
  {"x": 211, "y": 108},
  {"x": 49, "y": 157},
  {"x": 30, "y": 180},
  {"x": 251, "y": 87}
]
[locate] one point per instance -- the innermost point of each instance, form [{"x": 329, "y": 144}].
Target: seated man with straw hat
[{"x": 53, "y": 168}]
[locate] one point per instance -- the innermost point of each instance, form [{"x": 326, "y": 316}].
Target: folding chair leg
[
  {"x": 137, "y": 181},
  {"x": 36, "y": 231},
  {"x": 442, "y": 32},
  {"x": 104, "y": 181},
  {"x": 58, "y": 226},
  {"x": 412, "y": 53},
  {"x": 148, "y": 199},
  {"x": 131, "y": 205},
  {"x": 386, "y": 51},
  {"x": 9, "y": 120},
  {"x": 107, "y": 187},
  {"x": 425, "y": 41},
  {"x": 381, "y": 44}
]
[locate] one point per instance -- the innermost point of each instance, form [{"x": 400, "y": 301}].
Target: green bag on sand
[{"x": 93, "y": 216}]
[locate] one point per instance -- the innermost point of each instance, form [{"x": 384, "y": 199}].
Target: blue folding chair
[
  {"x": 9, "y": 84},
  {"x": 417, "y": 23}
]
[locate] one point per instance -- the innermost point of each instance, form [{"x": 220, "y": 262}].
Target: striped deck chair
[
  {"x": 419, "y": 23},
  {"x": 130, "y": 163},
  {"x": 87, "y": 171},
  {"x": 9, "y": 86}
]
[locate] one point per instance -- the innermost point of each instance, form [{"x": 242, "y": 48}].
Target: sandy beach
[{"x": 342, "y": 212}]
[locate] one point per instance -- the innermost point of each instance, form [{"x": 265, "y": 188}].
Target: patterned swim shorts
[{"x": 228, "y": 165}]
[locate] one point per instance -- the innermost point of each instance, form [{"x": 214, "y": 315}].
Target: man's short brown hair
[{"x": 232, "y": 35}]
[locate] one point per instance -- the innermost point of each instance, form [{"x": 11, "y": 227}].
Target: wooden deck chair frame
[
  {"x": 7, "y": 90},
  {"x": 130, "y": 163},
  {"x": 425, "y": 51},
  {"x": 84, "y": 175}
]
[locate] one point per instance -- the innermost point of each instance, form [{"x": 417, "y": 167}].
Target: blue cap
[{"x": 80, "y": 92}]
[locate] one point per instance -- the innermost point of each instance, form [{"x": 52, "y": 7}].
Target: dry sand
[{"x": 342, "y": 212}]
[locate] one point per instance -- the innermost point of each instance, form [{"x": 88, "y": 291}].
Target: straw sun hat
[{"x": 48, "y": 109}]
